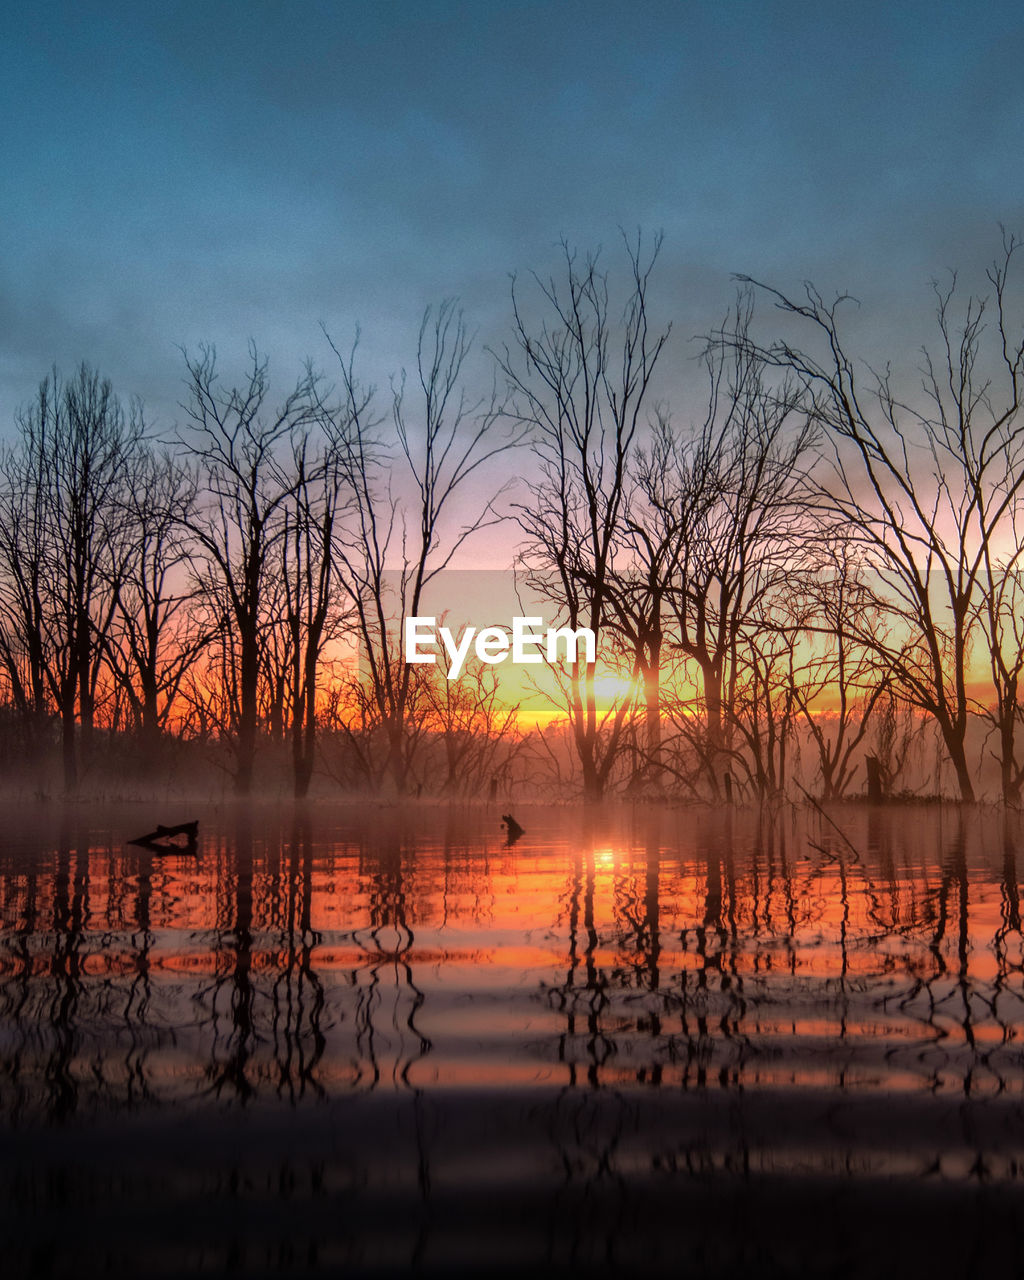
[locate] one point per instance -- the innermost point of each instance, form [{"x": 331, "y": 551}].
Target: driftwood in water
[
  {"x": 163, "y": 838},
  {"x": 512, "y": 827}
]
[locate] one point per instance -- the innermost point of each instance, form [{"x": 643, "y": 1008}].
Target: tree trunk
[
  {"x": 67, "y": 733},
  {"x": 958, "y": 759},
  {"x": 652, "y": 718}
]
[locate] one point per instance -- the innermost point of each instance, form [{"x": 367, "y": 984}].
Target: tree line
[{"x": 823, "y": 560}]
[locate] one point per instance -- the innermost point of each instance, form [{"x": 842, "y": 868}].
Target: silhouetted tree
[
  {"x": 26, "y": 655},
  {"x": 836, "y": 677},
  {"x": 314, "y": 607},
  {"x": 580, "y": 383},
  {"x": 245, "y": 484},
  {"x": 721, "y": 511},
  {"x": 156, "y": 635},
  {"x": 66, "y": 543},
  {"x": 476, "y": 729},
  {"x": 1001, "y": 615},
  {"x": 391, "y": 544},
  {"x": 931, "y": 485}
]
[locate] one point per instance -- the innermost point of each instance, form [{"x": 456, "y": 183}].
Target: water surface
[{"x": 366, "y": 1039}]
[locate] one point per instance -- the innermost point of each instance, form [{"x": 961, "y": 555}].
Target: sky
[{"x": 190, "y": 172}]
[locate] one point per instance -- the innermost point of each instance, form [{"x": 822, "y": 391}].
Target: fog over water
[{"x": 380, "y": 1037}]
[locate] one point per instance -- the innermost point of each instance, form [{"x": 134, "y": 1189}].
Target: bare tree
[
  {"x": 1001, "y": 618},
  {"x": 244, "y": 487},
  {"x": 580, "y": 384},
  {"x": 156, "y": 635},
  {"x": 721, "y": 513},
  {"x": 24, "y": 635},
  {"x": 66, "y": 485},
  {"x": 314, "y": 608},
  {"x": 897, "y": 740},
  {"x": 475, "y": 728},
  {"x": 836, "y": 677},
  {"x": 391, "y": 543},
  {"x": 763, "y": 708},
  {"x": 930, "y": 484}
]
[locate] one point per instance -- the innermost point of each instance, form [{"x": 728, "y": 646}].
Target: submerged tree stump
[{"x": 163, "y": 839}]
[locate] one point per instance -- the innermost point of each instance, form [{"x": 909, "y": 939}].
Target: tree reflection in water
[{"x": 532, "y": 1049}]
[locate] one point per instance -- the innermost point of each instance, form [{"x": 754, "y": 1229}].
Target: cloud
[{"x": 218, "y": 172}]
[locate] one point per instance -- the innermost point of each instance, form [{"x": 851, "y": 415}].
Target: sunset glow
[{"x": 512, "y": 640}]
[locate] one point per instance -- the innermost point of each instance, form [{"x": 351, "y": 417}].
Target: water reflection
[
  {"x": 292, "y": 959},
  {"x": 575, "y": 1023}
]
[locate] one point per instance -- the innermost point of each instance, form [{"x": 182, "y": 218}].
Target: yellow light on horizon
[{"x": 611, "y": 689}]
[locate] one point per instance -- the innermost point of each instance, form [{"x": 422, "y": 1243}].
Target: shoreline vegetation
[{"x": 810, "y": 585}]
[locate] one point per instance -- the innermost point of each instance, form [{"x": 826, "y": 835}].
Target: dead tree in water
[
  {"x": 156, "y": 635},
  {"x": 244, "y": 485},
  {"x": 932, "y": 483},
  {"x": 66, "y": 546},
  {"x": 398, "y": 533},
  {"x": 838, "y": 680},
  {"x": 476, "y": 730},
  {"x": 580, "y": 384},
  {"x": 314, "y": 611},
  {"x": 717, "y": 509}
]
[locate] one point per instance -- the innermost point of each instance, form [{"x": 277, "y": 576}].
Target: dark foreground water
[{"x": 372, "y": 1041}]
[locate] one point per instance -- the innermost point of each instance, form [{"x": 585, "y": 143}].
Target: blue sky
[{"x": 192, "y": 171}]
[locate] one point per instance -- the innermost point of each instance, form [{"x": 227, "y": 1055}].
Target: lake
[{"x": 374, "y": 1039}]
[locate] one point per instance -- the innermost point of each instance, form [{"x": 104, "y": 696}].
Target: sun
[{"x": 610, "y": 690}]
